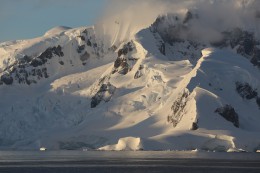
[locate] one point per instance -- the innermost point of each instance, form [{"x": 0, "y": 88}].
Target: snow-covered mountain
[{"x": 162, "y": 89}]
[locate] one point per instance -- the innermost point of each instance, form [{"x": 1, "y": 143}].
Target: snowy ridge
[
  {"x": 58, "y": 52},
  {"x": 146, "y": 93}
]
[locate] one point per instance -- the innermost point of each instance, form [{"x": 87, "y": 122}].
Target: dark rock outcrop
[
  {"x": 123, "y": 63},
  {"x": 25, "y": 59},
  {"x": 188, "y": 17},
  {"x": 256, "y": 57},
  {"x": 81, "y": 48},
  {"x": 89, "y": 43},
  {"x": 112, "y": 48},
  {"x": 61, "y": 62},
  {"x": 246, "y": 91},
  {"x": 126, "y": 48},
  {"x": 46, "y": 55},
  {"x": 229, "y": 113},
  {"x": 172, "y": 31},
  {"x": 178, "y": 109},
  {"x": 162, "y": 48},
  {"x": 82, "y": 38},
  {"x": 27, "y": 69},
  {"x": 243, "y": 42},
  {"x": 195, "y": 126},
  {"x": 105, "y": 93},
  {"x": 84, "y": 57},
  {"x": 139, "y": 73},
  {"x": 7, "y": 79},
  {"x": 118, "y": 62},
  {"x": 85, "y": 32},
  {"x": 258, "y": 101},
  {"x": 169, "y": 31}
]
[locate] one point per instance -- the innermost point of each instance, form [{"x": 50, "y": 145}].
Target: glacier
[{"x": 69, "y": 89}]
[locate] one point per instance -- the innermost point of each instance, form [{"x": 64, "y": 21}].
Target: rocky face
[
  {"x": 81, "y": 48},
  {"x": 171, "y": 32},
  {"x": 243, "y": 42},
  {"x": 28, "y": 70},
  {"x": 188, "y": 17},
  {"x": 82, "y": 38},
  {"x": 7, "y": 79},
  {"x": 112, "y": 48},
  {"x": 195, "y": 126},
  {"x": 139, "y": 73},
  {"x": 122, "y": 65},
  {"x": 162, "y": 48},
  {"x": 256, "y": 57},
  {"x": 89, "y": 43},
  {"x": 229, "y": 113},
  {"x": 84, "y": 57},
  {"x": 124, "y": 62},
  {"x": 166, "y": 25},
  {"x": 178, "y": 109},
  {"x": 246, "y": 91},
  {"x": 46, "y": 55},
  {"x": 105, "y": 93},
  {"x": 258, "y": 101},
  {"x": 129, "y": 47}
]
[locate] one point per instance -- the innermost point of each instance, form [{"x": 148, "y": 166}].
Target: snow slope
[{"x": 69, "y": 90}]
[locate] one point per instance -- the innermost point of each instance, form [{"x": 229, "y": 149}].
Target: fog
[{"x": 122, "y": 19}]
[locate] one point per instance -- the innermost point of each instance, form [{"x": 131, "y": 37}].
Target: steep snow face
[
  {"x": 216, "y": 82},
  {"x": 70, "y": 90}
]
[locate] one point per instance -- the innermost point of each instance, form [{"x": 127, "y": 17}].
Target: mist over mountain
[
  {"x": 124, "y": 18},
  {"x": 149, "y": 75}
]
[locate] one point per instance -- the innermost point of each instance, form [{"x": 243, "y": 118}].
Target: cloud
[{"x": 122, "y": 19}]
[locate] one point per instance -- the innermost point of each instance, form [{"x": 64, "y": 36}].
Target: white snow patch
[
  {"x": 233, "y": 150},
  {"x": 206, "y": 52}
]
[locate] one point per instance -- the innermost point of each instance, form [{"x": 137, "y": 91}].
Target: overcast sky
[{"x": 21, "y": 19}]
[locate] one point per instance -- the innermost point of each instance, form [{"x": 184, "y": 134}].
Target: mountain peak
[{"x": 57, "y": 30}]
